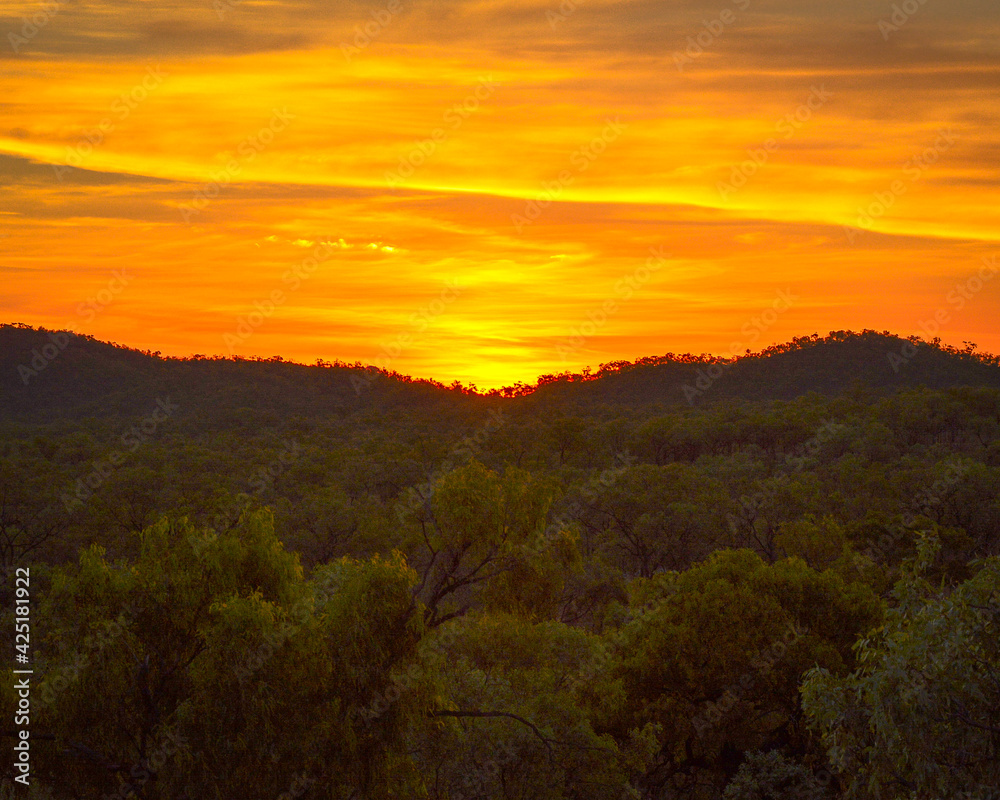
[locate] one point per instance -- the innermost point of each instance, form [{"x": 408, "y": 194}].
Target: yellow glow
[{"x": 485, "y": 188}]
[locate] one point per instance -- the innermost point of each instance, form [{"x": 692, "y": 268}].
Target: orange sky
[{"x": 490, "y": 191}]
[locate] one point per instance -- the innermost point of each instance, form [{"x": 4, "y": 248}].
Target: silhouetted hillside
[
  {"x": 298, "y": 559},
  {"x": 47, "y": 375},
  {"x": 881, "y": 362}
]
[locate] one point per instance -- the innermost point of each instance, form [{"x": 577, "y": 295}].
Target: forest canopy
[{"x": 773, "y": 579}]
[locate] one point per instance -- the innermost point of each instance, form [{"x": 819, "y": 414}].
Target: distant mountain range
[{"x": 50, "y": 375}]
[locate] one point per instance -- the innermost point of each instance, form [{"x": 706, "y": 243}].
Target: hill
[
  {"x": 880, "y": 362},
  {"x": 47, "y": 375},
  {"x": 591, "y": 574}
]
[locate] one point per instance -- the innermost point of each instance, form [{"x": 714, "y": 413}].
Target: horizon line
[{"x": 587, "y": 373}]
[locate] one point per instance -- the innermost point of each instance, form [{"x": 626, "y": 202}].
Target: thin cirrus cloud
[{"x": 531, "y": 154}]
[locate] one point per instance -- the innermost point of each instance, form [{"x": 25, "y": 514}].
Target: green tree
[
  {"x": 518, "y": 709},
  {"x": 772, "y": 776},
  {"x": 209, "y": 667},
  {"x": 475, "y": 527},
  {"x": 920, "y": 716},
  {"x": 714, "y": 656}
]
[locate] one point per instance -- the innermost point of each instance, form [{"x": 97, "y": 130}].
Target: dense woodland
[{"x": 775, "y": 577}]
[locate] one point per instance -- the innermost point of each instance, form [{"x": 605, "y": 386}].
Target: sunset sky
[{"x": 488, "y": 191}]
